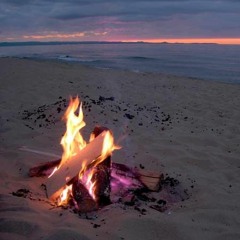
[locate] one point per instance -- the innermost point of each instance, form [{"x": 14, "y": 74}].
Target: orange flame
[
  {"x": 72, "y": 142},
  {"x": 64, "y": 196}
]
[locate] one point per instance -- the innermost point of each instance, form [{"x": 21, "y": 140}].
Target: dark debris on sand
[
  {"x": 45, "y": 115},
  {"x": 23, "y": 192},
  {"x": 145, "y": 116},
  {"x": 171, "y": 193}
]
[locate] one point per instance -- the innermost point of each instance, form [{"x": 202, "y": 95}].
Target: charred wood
[{"x": 84, "y": 201}]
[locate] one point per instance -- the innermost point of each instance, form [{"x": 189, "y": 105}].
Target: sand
[{"x": 188, "y": 128}]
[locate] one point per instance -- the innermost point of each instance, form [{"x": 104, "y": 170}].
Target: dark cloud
[
  {"x": 152, "y": 9},
  {"x": 139, "y": 18}
]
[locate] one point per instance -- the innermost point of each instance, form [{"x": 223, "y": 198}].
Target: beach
[{"x": 184, "y": 127}]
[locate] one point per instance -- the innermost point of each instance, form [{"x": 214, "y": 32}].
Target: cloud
[
  {"x": 139, "y": 10},
  {"x": 55, "y": 35},
  {"x": 58, "y": 35},
  {"x": 158, "y": 18}
]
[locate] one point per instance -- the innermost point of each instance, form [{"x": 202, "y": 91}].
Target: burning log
[
  {"x": 139, "y": 178},
  {"x": 151, "y": 181},
  {"x": 102, "y": 174},
  {"x": 102, "y": 178},
  {"x": 85, "y": 202},
  {"x": 110, "y": 185},
  {"x": 70, "y": 168}
]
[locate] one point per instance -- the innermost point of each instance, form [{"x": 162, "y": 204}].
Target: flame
[
  {"x": 54, "y": 170},
  {"x": 108, "y": 146},
  {"x": 64, "y": 196},
  {"x": 90, "y": 184},
  {"x": 72, "y": 142}
]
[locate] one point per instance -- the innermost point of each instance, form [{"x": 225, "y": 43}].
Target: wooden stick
[{"x": 73, "y": 165}]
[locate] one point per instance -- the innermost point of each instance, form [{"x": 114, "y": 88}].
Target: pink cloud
[{"x": 65, "y": 35}]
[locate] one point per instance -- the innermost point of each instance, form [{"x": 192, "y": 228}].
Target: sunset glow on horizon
[
  {"x": 84, "y": 36},
  {"x": 190, "y": 40}
]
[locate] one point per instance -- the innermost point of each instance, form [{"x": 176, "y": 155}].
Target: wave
[
  {"x": 79, "y": 59},
  {"x": 72, "y": 59},
  {"x": 140, "y": 58}
]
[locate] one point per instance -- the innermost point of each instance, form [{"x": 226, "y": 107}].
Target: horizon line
[{"x": 223, "y": 41}]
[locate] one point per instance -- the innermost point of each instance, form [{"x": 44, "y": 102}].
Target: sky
[{"x": 120, "y": 20}]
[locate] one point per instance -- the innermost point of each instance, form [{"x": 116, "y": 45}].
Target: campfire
[
  {"x": 86, "y": 178},
  {"x": 83, "y": 173}
]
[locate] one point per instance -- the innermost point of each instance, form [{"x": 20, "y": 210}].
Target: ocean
[{"x": 205, "y": 61}]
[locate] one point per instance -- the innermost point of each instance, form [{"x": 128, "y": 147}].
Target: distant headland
[{"x": 36, "y": 43}]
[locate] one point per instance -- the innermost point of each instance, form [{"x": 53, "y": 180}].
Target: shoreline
[
  {"x": 184, "y": 127},
  {"x": 84, "y": 63}
]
